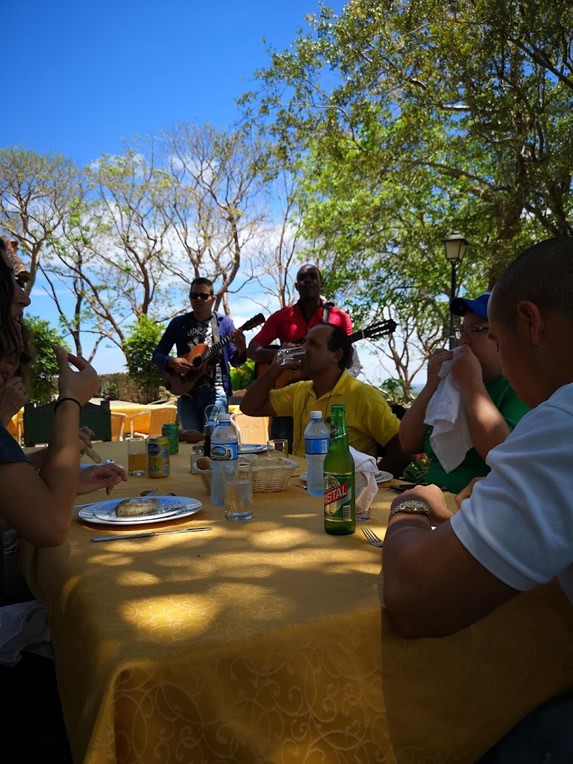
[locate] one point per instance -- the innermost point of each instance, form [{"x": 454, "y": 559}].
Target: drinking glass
[
  {"x": 238, "y": 489},
  {"x": 197, "y": 451},
  {"x": 137, "y": 456},
  {"x": 278, "y": 447}
]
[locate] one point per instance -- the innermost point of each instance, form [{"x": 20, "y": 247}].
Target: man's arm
[
  {"x": 432, "y": 585},
  {"x": 161, "y": 357},
  {"x": 486, "y": 424},
  {"x": 394, "y": 460},
  {"x": 256, "y": 402},
  {"x": 257, "y": 349}
]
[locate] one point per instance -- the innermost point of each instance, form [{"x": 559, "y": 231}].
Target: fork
[{"x": 371, "y": 537}]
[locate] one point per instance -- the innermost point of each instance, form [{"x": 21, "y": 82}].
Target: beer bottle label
[{"x": 338, "y": 497}]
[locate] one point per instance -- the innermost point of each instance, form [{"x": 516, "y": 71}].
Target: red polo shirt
[{"x": 289, "y": 324}]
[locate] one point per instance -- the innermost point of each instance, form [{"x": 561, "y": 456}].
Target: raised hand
[{"x": 81, "y": 384}]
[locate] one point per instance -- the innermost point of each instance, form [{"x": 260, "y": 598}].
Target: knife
[{"x": 147, "y": 534}]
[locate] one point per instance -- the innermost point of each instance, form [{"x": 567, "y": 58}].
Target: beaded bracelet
[{"x": 61, "y": 400}]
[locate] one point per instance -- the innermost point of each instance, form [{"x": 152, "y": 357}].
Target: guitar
[
  {"x": 377, "y": 329},
  {"x": 202, "y": 358}
]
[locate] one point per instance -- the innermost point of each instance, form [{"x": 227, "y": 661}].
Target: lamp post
[{"x": 455, "y": 246}]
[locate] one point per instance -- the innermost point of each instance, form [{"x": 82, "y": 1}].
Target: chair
[
  {"x": 38, "y": 421},
  {"x": 118, "y": 421},
  {"x": 253, "y": 429},
  {"x": 15, "y": 425},
  {"x": 150, "y": 421}
]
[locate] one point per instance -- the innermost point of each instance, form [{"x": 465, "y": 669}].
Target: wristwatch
[{"x": 411, "y": 507}]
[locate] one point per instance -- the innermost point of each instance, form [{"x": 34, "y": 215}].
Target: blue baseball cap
[{"x": 461, "y": 305}]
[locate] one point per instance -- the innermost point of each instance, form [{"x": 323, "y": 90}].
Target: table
[{"x": 263, "y": 641}]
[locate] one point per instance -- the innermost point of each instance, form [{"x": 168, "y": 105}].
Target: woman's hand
[
  {"x": 81, "y": 384},
  {"x": 100, "y": 476}
]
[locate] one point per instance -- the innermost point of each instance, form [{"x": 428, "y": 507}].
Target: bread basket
[{"x": 270, "y": 473}]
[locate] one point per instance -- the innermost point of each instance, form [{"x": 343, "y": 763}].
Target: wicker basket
[{"x": 269, "y": 473}]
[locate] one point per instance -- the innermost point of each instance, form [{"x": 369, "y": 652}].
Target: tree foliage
[
  {"x": 44, "y": 368},
  {"x": 139, "y": 345},
  {"x": 410, "y": 120}
]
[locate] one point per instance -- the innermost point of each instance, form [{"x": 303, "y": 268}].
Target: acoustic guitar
[
  {"x": 202, "y": 358},
  {"x": 377, "y": 329}
]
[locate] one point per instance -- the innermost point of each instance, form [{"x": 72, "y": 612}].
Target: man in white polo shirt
[{"x": 515, "y": 531}]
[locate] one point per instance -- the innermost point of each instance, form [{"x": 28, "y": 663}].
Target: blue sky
[{"x": 78, "y": 77}]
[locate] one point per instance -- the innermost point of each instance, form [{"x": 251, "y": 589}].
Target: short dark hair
[
  {"x": 543, "y": 274},
  {"x": 339, "y": 340},
  {"x": 202, "y": 281},
  {"x": 309, "y": 265}
]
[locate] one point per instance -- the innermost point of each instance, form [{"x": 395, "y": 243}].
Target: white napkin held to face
[
  {"x": 450, "y": 438},
  {"x": 365, "y": 485}
]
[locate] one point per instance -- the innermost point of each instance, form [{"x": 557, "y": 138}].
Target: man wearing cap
[{"x": 491, "y": 406}]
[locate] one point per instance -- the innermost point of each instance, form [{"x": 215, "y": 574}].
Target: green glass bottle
[{"x": 339, "y": 499}]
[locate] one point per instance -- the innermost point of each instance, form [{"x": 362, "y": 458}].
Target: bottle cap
[
  {"x": 224, "y": 417},
  {"x": 316, "y": 414}
]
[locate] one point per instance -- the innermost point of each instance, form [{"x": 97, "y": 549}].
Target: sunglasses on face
[{"x": 199, "y": 295}]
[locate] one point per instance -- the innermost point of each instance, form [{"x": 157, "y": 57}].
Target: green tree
[
  {"x": 43, "y": 383},
  {"x": 37, "y": 193},
  {"x": 144, "y": 334},
  {"x": 408, "y": 121}
]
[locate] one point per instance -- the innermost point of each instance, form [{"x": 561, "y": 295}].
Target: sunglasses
[{"x": 199, "y": 296}]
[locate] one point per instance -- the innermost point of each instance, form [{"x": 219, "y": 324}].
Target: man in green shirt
[{"x": 491, "y": 406}]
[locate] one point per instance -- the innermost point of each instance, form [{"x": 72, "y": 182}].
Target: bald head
[{"x": 543, "y": 275}]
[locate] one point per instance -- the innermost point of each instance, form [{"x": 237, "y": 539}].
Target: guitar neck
[{"x": 214, "y": 349}]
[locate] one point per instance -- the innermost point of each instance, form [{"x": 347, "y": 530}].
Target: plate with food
[{"x": 139, "y": 509}]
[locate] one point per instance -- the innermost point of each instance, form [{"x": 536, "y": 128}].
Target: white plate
[
  {"x": 252, "y": 448},
  {"x": 173, "y": 507}
]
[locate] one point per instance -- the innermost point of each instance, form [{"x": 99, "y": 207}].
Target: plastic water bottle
[
  {"x": 224, "y": 448},
  {"x": 316, "y": 440}
]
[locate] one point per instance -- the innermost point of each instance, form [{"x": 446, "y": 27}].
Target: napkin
[
  {"x": 450, "y": 438},
  {"x": 365, "y": 486}
]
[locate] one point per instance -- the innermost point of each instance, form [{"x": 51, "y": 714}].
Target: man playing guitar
[
  {"x": 201, "y": 326},
  {"x": 290, "y": 326}
]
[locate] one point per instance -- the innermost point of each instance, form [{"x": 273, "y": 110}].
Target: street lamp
[{"x": 455, "y": 246}]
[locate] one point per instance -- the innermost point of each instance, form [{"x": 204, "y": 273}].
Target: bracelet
[{"x": 61, "y": 400}]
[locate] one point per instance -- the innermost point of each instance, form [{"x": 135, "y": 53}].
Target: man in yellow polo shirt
[{"x": 372, "y": 427}]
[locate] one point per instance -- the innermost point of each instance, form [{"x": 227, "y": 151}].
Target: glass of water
[{"x": 238, "y": 487}]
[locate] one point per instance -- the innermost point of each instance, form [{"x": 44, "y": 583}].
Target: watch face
[{"x": 415, "y": 504}]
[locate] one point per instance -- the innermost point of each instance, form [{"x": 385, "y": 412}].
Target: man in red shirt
[{"x": 290, "y": 326}]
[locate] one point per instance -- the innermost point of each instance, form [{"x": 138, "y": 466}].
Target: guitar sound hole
[{"x": 197, "y": 362}]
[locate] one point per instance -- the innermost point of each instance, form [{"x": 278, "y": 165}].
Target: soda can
[
  {"x": 171, "y": 431},
  {"x": 158, "y": 457}
]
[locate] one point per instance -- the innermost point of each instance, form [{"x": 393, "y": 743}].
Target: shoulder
[{"x": 180, "y": 321}]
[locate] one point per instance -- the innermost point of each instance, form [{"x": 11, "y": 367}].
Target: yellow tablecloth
[{"x": 255, "y": 642}]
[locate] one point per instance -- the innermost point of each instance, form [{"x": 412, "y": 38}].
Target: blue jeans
[{"x": 191, "y": 411}]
